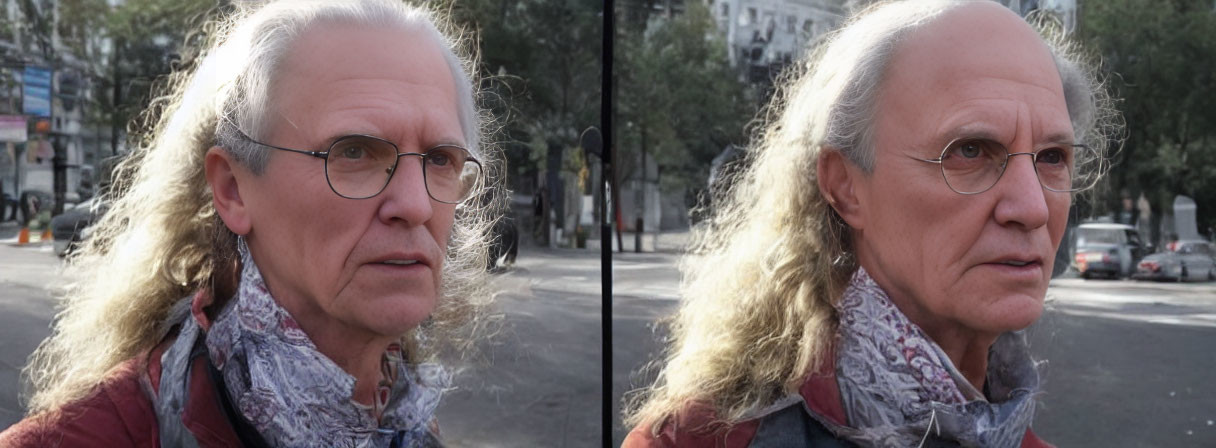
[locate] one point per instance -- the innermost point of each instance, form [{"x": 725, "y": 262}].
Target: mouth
[
  {"x": 401, "y": 260},
  {"x": 1018, "y": 265}
]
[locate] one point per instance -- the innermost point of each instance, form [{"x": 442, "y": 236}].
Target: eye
[
  {"x": 973, "y": 150},
  {"x": 447, "y": 157},
  {"x": 970, "y": 149},
  {"x": 439, "y": 158},
  {"x": 353, "y": 152},
  {"x": 1052, "y": 156}
]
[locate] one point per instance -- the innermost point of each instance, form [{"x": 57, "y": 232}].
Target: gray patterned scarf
[
  {"x": 900, "y": 389},
  {"x": 296, "y": 396}
]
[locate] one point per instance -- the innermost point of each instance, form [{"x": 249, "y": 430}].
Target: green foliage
[
  {"x": 121, "y": 49},
  {"x": 149, "y": 37},
  {"x": 542, "y": 58},
  {"x": 679, "y": 100},
  {"x": 1160, "y": 57}
]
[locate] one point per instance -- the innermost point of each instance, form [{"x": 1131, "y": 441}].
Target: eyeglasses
[
  {"x": 974, "y": 165},
  {"x": 360, "y": 166}
]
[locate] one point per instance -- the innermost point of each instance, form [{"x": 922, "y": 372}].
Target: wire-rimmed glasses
[
  {"x": 360, "y": 166},
  {"x": 973, "y": 165}
]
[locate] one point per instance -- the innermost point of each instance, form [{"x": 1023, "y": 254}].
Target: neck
[
  {"x": 359, "y": 357},
  {"x": 967, "y": 349},
  {"x": 358, "y": 353}
]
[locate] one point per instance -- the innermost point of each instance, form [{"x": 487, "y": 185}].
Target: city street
[
  {"x": 535, "y": 383},
  {"x": 1128, "y": 364}
]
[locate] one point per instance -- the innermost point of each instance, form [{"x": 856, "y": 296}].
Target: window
[
  {"x": 726, "y": 11},
  {"x": 750, "y": 18},
  {"x": 808, "y": 25},
  {"x": 791, "y": 24}
]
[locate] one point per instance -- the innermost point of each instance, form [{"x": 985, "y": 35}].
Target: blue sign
[{"x": 36, "y": 91}]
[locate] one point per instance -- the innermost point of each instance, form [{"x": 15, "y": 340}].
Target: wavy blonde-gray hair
[
  {"x": 162, "y": 239},
  {"x": 763, "y": 273}
]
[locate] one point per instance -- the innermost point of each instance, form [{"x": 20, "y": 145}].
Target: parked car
[
  {"x": 1108, "y": 250},
  {"x": 1193, "y": 260},
  {"x": 74, "y": 225}
]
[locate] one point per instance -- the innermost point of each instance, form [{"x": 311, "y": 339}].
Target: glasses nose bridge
[
  {"x": 421, "y": 169},
  {"x": 1009, "y": 159}
]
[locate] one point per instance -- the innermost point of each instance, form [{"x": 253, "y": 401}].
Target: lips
[
  {"x": 1017, "y": 264},
  {"x": 402, "y": 259}
]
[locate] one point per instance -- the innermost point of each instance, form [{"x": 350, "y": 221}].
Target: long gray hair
[
  {"x": 162, "y": 239},
  {"x": 759, "y": 285}
]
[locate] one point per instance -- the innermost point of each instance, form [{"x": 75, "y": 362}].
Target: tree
[
  {"x": 679, "y": 100},
  {"x": 541, "y": 60},
  {"x": 1160, "y": 59}
]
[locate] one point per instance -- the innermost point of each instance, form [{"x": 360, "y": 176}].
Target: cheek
[
  {"x": 923, "y": 224},
  {"x": 440, "y": 225},
  {"x": 1057, "y": 220}
]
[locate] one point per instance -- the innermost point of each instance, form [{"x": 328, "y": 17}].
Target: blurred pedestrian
[
  {"x": 290, "y": 250},
  {"x": 867, "y": 278}
]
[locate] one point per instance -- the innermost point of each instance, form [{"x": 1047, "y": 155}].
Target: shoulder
[
  {"x": 1031, "y": 440},
  {"x": 696, "y": 426},
  {"x": 117, "y": 413}
]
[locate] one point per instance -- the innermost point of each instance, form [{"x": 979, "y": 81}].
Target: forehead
[
  {"x": 978, "y": 67},
  {"x": 353, "y": 78}
]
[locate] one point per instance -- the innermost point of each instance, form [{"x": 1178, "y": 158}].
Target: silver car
[
  {"x": 1182, "y": 261},
  {"x": 1107, "y": 250}
]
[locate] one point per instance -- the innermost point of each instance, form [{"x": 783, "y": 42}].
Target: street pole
[
  {"x": 608, "y": 34},
  {"x": 638, "y": 222}
]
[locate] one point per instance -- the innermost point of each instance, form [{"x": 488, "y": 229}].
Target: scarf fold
[
  {"x": 899, "y": 388},
  {"x": 296, "y": 396}
]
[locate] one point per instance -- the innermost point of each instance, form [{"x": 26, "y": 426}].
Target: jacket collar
[{"x": 204, "y": 414}]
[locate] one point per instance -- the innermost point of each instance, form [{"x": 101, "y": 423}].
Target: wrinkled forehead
[
  {"x": 979, "y": 56},
  {"x": 983, "y": 38}
]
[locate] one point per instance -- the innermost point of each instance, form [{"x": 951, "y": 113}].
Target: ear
[
  {"x": 221, "y": 171},
  {"x": 836, "y": 178}
]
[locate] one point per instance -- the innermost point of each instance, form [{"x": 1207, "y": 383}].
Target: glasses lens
[
  {"x": 359, "y": 166},
  {"x": 1054, "y": 166},
  {"x": 972, "y": 166},
  {"x": 451, "y": 174}
]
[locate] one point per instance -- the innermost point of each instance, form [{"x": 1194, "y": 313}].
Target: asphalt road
[
  {"x": 536, "y": 382},
  {"x": 1128, "y": 364}
]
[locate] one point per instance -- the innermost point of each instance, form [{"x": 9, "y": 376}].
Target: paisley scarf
[
  {"x": 296, "y": 396},
  {"x": 900, "y": 389}
]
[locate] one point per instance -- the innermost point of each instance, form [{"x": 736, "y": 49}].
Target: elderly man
[
  {"x": 308, "y": 192},
  {"x": 866, "y": 282}
]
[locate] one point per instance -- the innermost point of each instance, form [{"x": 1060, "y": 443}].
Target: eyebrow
[
  {"x": 987, "y": 132},
  {"x": 446, "y": 141}
]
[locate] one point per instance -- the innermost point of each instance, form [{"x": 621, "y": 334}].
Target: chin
[
  {"x": 1015, "y": 313},
  {"x": 396, "y": 315}
]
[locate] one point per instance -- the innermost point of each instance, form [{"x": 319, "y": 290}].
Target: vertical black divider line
[{"x": 606, "y": 54}]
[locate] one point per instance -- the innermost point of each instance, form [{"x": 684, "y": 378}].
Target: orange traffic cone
[
  {"x": 46, "y": 235},
  {"x": 23, "y": 237}
]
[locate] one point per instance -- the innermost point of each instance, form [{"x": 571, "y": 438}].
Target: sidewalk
[
  {"x": 8, "y": 230},
  {"x": 8, "y": 236},
  {"x": 667, "y": 241}
]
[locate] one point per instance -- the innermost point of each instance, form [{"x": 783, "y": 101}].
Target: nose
[
  {"x": 1022, "y": 200},
  {"x": 405, "y": 197}
]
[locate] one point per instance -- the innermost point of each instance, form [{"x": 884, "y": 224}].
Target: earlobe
[
  {"x": 221, "y": 175},
  {"x": 836, "y": 185}
]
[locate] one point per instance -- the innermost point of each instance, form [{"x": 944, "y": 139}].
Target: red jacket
[
  {"x": 690, "y": 429},
  {"x": 119, "y": 411}
]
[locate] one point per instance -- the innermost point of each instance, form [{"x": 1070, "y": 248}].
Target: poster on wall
[
  {"x": 36, "y": 91},
  {"x": 13, "y": 129}
]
